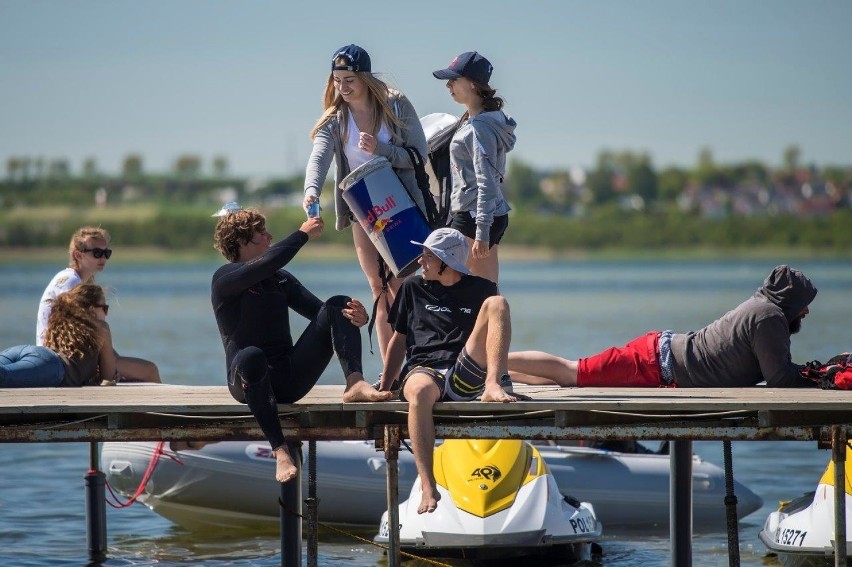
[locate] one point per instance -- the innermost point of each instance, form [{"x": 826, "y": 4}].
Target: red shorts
[{"x": 631, "y": 366}]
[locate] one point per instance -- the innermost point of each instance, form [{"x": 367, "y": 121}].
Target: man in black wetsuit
[
  {"x": 454, "y": 330},
  {"x": 252, "y": 296}
]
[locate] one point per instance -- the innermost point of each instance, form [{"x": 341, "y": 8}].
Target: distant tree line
[
  {"x": 622, "y": 202},
  {"x": 23, "y": 168}
]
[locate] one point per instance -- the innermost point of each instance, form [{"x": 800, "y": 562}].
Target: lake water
[{"x": 575, "y": 308}]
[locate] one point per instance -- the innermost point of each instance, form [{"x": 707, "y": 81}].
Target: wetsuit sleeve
[
  {"x": 242, "y": 276},
  {"x": 301, "y": 300},
  {"x": 772, "y": 348}
]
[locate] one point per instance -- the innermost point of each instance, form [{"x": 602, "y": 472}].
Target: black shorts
[
  {"x": 461, "y": 382},
  {"x": 466, "y": 224}
]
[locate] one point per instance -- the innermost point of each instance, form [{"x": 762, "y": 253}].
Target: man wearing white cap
[{"x": 452, "y": 330}]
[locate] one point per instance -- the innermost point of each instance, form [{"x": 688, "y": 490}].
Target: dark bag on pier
[
  {"x": 836, "y": 374},
  {"x": 431, "y": 213}
]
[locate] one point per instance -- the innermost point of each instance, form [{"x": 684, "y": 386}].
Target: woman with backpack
[
  {"x": 484, "y": 136},
  {"x": 363, "y": 118}
]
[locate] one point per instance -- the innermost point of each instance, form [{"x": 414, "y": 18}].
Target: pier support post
[
  {"x": 680, "y": 503},
  {"x": 838, "y": 457},
  {"x": 96, "y": 531},
  {"x": 731, "y": 507},
  {"x": 291, "y": 513},
  {"x": 392, "y": 435},
  {"x": 313, "y": 506}
]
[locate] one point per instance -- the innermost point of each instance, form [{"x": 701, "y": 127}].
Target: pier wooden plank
[
  {"x": 151, "y": 411},
  {"x": 130, "y": 398}
]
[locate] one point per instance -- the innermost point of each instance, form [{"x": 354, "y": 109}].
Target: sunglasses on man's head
[
  {"x": 99, "y": 252},
  {"x": 103, "y": 306}
]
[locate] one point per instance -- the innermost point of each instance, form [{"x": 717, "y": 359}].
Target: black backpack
[{"x": 434, "y": 178}]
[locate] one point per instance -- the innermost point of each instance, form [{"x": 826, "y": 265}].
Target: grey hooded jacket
[
  {"x": 478, "y": 163},
  {"x": 328, "y": 145},
  {"x": 750, "y": 343}
]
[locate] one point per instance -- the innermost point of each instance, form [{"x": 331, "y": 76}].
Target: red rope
[{"x": 149, "y": 472}]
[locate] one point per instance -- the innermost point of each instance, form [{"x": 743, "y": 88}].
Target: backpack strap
[
  {"x": 385, "y": 276},
  {"x": 431, "y": 212}
]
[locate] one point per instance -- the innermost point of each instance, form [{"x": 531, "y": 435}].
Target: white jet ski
[
  {"x": 801, "y": 532},
  {"x": 498, "y": 500},
  {"x": 232, "y": 483}
]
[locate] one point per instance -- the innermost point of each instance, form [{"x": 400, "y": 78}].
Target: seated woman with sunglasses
[
  {"x": 88, "y": 253},
  {"x": 78, "y": 346}
]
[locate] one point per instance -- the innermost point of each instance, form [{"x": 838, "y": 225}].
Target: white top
[
  {"x": 355, "y": 155},
  {"x": 61, "y": 282}
]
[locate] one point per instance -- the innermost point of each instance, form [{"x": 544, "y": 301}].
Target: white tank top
[{"x": 355, "y": 155}]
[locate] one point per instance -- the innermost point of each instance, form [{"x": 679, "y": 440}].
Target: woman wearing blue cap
[
  {"x": 478, "y": 160},
  {"x": 363, "y": 118}
]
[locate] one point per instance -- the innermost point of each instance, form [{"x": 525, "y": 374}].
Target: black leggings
[{"x": 253, "y": 381}]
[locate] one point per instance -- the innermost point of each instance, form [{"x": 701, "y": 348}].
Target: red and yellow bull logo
[
  {"x": 377, "y": 211},
  {"x": 380, "y": 225}
]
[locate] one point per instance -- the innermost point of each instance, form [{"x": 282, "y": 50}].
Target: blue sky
[{"x": 244, "y": 79}]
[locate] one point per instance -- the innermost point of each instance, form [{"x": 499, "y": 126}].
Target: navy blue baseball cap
[
  {"x": 357, "y": 59},
  {"x": 470, "y": 65}
]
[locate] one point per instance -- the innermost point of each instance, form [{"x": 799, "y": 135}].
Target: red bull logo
[{"x": 377, "y": 211}]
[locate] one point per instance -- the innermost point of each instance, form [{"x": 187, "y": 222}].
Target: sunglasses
[
  {"x": 103, "y": 306},
  {"x": 99, "y": 252}
]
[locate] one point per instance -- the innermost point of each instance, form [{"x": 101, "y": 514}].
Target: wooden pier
[{"x": 137, "y": 412}]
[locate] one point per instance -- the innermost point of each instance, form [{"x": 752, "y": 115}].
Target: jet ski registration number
[{"x": 790, "y": 537}]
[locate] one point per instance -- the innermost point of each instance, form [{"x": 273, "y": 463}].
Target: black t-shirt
[
  {"x": 436, "y": 319},
  {"x": 251, "y": 301}
]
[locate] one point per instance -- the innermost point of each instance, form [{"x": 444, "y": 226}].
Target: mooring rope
[
  {"x": 143, "y": 482},
  {"x": 362, "y": 539}
]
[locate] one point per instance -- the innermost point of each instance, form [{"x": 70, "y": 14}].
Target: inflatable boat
[{"x": 232, "y": 483}]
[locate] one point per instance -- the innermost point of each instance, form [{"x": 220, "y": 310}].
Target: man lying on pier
[
  {"x": 252, "y": 296},
  {"x": 744, "y": 347},
  {"x": 454, "y": 330}
]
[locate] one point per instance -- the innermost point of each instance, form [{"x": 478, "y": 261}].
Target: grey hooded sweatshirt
[
  {"x": 478, "y": 163},
  {"x": 750, "y": 343}
]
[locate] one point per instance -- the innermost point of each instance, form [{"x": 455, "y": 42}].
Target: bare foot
[
  {"x": 360, "y": 391},
  {"x": 429, "y": 500},
  {"x": 494, "y": 393},
  {"x": 285, "y": 470}
]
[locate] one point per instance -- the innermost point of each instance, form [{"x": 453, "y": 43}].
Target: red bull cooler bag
[{"x": 387, "y": 214}]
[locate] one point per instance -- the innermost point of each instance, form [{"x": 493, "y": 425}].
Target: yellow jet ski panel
[{"x": 483, "y": 475}]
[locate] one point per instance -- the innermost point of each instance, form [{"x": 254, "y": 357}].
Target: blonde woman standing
[{"x": 363, "y": 118}]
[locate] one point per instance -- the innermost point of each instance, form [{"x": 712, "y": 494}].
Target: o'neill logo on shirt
[{"x": 447, "y": 309}]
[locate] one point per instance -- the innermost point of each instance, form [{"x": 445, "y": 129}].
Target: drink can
[{"x": 313, "y": 209}]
